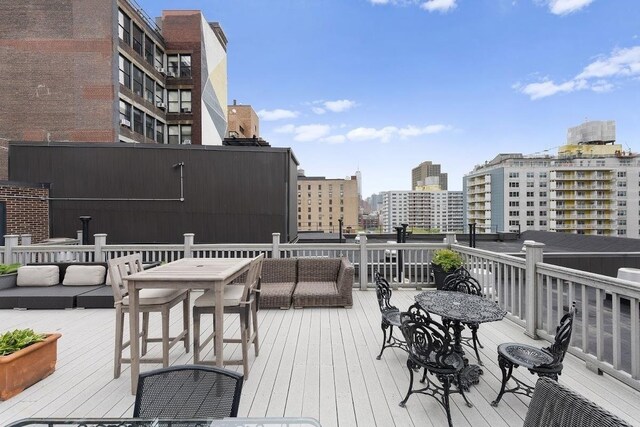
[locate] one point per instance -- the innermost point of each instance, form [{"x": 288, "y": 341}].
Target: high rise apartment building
[
  {"x": 427, "y": 210},
  {"x": 428, "y": 174},
  {"x": 102, "y": 71},
  {"x": 323, "y": 201},
  {"x": 591, "y": 187}
]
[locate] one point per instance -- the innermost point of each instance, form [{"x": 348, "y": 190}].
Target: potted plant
[
  {"x": 8, "y": 275},
  {"x": 26, "y": 357},
  {"x": 443, "y": 263}
]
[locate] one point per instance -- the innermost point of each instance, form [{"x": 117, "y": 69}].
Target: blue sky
[{"x": 382, "y": 85}]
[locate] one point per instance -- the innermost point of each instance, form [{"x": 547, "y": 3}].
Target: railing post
[
  {"x": 25, "y": 239},
  {"x": 188, "y": 245},
  {"x": 100, "y": 240},
  {"x": 10, "y": 242},
  {"x": 363, "y": 273},
  {"x": 79, "y": 236},
  {"x": 533, "y": 256},
  {"x": 275, "y": 241},
  {"x": 450, "y": 239}
]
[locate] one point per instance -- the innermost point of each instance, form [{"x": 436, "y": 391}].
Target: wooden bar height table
[{"x": 186, "y": 273}]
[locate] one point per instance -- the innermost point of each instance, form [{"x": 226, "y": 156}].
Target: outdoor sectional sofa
[
  {"x": 59, "y": 296},
  {"x": 306, "y": 282}
]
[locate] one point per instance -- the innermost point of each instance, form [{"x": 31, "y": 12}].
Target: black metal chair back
[
  {"x": 383, "y": 291},
  {"x": 461, "y": 281},
  {"x": 428, "y": 342},
  {"x": 183, "y": 392},
  {"x": 562, "y": 339}
]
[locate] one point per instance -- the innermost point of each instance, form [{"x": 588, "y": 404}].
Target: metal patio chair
[
  {"x": 390, "y": 315},
  {"x": 461, "y": 281},
  {"x": 188, "y": 392},
  {"x": 430, "y": 347},
  {"x": 545, "y": 362}
]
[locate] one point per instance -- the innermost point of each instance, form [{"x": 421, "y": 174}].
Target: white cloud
[
  {"x": 565, "y": 7},
  {"x": 277, "y": 114},
  {"x": 620, "y": 64},
  {"x": 335, "y": 139},
  {"x": 305, "y": 133},
  {"x": 385, "y": 134},
  {"x": 427, "y": 130},
  {"x": 379, "y": 1},
  {"x": 438, "y": 5},
  {"x": 318, "y": 110},
  {"x": 339, "y": 106},
  {"x": 285, "y": 129}
]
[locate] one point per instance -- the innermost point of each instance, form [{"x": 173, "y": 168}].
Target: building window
[
  {"x": 622, "y": 232},
  {"x": 543, "y": 184},
  {"x": 530, "y": 193},
  {"x": 149, "y": 124},
  {"x": 185, "y": 65},
  {"x": 622, "y": 174},
  {"x": 149, "y": 89},
  {"x": 530, "y": 184},
  {"x": 530, "y": 223},
  {"x": 530, "y": 204},
  {"x": 530, "y": 175},
  {"x": 514, "y": 184},
  {"x": 543, "y": 213},
  {"x": 173, "y": 65},
  {"x": 530, "y": 213},
  {"x": 622, "y": 183},
  {"x": 514, "y": 204},
  {"x": 138, "y": 124},
  {"x": 514, "y": 174},
  {"x": 514, "y": 213},
  {"x": 514, "y": 194},
  {"x": 623, "y": 194},
  {"x": 149, "y": 49},
  {"x": 159, "y": 132},
  {"x": 159, "y": 95},
  {"x": 514, "y": 222},
  {"x": 125, "y": 114},
  {"x": 543, "y": 223},
  {"x": 125, "y": 71},
  {"x": 185, "y": 101},
  {"x": 543, "y": 203},
  {"x": 174, "y": 134},
  {"x": 185, "y": 134},
  {"x": 174, "y": 101},
  {"x": 542, "y": 174},
  {"x": 124, "y": 27},
  {"x": 138, "y": 80},
  {"x": 159, "y": 59},
  {"x": 137, "y": 39}
]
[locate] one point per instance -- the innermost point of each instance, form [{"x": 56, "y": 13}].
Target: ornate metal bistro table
[{"x": 461, "y": 308}]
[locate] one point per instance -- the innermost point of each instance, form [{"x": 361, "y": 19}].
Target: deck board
[{"x": 319, "y": 363}]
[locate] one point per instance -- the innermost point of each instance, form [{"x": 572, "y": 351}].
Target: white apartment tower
[
  {"x": 591, "y": 187},
  {"x": 428, "y": 210}
]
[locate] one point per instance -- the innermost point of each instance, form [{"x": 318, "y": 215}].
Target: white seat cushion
[
  {"x": 84, "y": 275},
  {"x": 156, "y": 296},
  {"x": 232, "y": 297},
  {"x": 38, "y": 275}
]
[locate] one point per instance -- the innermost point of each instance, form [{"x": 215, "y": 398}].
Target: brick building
[
  {"x": 102, "y": 71},
  {"x": 24, "y": 209}
]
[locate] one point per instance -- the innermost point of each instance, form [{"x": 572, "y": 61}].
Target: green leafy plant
[
  {"x": 9, "y": 268},
  {"x": 12, "y": 341},
  {"x": 447, "y": 259}
]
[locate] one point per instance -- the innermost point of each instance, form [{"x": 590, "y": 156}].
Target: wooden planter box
[{"x": 28, "y": 366}]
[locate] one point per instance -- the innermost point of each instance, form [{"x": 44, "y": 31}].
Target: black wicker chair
[
  {"x": 187, "y": 392},
  {"x": 461, "y": 281},
  {"x": 545, "y": 362},
  {"x": 553, "y": 404},
  {"x": 430, "y": 347},
  {"x": 390, "y": 315}
]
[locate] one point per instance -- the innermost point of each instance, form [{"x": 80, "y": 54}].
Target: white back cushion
[
  {"x": 38, "y": 275},
  {"x": 84, "y": 275}
]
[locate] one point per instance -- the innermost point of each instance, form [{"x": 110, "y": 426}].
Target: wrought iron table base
[{"x": 470, "y": 374}]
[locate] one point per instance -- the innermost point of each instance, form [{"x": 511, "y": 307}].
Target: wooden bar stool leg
[
  {"x": 196, "y": 335},
  {"x": 254, "y": 315},
  {"x": 117, "y": 357},
  {"x": 145, "y": 332},
  {"x": 185, "y": 322},
  {"x": 165, "y": 337}
]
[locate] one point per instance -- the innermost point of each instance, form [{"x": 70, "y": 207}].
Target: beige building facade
[
  {"x": 323, "y": 201},
  {"x": 243, "y": 122}
]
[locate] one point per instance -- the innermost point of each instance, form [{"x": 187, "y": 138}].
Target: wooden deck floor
[{"x": 316, "y": 363}]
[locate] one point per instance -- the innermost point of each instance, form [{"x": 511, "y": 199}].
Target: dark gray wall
[{"x": 231, "y": 194}]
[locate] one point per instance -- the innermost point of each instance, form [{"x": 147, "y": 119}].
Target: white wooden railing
[{"x": 535, "y": 294}]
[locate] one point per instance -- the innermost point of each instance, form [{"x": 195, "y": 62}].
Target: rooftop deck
[{"x": 317, "y": 363}]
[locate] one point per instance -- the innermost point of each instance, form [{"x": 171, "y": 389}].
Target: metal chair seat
[
  {"x": 525, "y": 355},
  {"x": 454, "y": 361},
  {"x": 392, "y": 317}
]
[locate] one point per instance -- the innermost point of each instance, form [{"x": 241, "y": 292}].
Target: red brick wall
[
  {"x": 27, "y": 210},
  {"x": 57, "y": 70}
]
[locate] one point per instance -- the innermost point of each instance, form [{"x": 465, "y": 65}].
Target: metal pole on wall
[
  {"x": 399, "y": 252},
  {"x": 340, "y": 231},
  {"x": 85, "y": 229}
]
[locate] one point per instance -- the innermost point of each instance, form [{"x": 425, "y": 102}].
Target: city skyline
[{"x": 382, "y": 85}]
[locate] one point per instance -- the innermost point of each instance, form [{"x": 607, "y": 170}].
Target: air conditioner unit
[
  {"x": 186, "y": 110},
  {"x": 186, "y": 142},
  {"x": 125, "y": 122},
  {"x": 160, "y": 105},
  {"x": 160, "y": 70}
]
